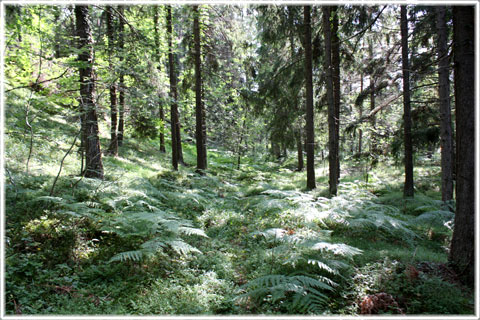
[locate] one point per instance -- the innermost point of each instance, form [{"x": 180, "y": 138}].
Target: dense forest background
[{"x": 221, "y": 159}]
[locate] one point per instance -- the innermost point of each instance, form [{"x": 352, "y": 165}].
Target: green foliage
[{"x": 305, "y": 294}]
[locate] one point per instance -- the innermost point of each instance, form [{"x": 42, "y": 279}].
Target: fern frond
[
  {"x": 436, "y": 218},
  {"x": 337, "y": 248},
  {"x": 192, "y": 231},
  {"x": 323, "y": 266},
  {"x": 135, "y": 255},
  {"x": 181, "y": 247}
]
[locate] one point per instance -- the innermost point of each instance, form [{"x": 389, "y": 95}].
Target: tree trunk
[
  {"x": 309, "y": 100},
  {"x": 462, "y": 248},
  {"x": 373, "y": 120},
  {"x": 298, "y": 131},
  {"x": 332, "y": 153},
  {"x": 407, "y": 119},
  {"x": 113, "y": 147},
  {"x": 445, "y": 110},
  {"x": 173, "y": 91},
  {"x": 336, "y": 84},
  {"x": 200, "y": 140},
  {"x": 299, "y": 150},
  {"x": 93, "y": 154},
  {"x": 157, "y": 57},
  {"x": 360, "y": 111},
  {"x": 121, "y": 96}
]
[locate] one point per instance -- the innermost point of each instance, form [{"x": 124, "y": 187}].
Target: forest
[{"x": 211, "y": 159}]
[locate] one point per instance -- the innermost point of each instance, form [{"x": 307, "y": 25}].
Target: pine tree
[
  {"x": 407, "y": 119},
  {"x": 309, "y": 100},
  {"x": 91, "y": 141}
]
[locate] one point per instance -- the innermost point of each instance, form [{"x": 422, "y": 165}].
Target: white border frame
[{"x": 237, "y": 2}]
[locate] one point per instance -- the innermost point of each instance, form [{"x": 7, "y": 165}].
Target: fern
[
  {"x": 435, "y": 218},
  {"x": 302, "y": 293}
]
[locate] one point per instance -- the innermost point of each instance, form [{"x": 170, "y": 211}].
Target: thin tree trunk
[
  {"x": 173, "y": 91},
  {"x": 113, "y": 147},
  {"x": 239, "y": 149},
  {"x": 360, "y": 111},
  {"x": 121, "y": 109},
  {"x": 373, "y": 120},
  {"x": 298, "y": 132},
  {"x": 462, "y": 250},
  {"x": 200, "y": 140},
  {"x": 309, "y": 100},
  {"x": 445, "y": 110},
  {"x": 332, "y": 153},
  {"x": 157, "y": 56},
  {"x": 336, "y": 84},
  {"x": 93, "y": 166},
  {"x": 299, "y": 150},
  {"x": 121, "y": 98},
  {"x": 407, "y": 120}
]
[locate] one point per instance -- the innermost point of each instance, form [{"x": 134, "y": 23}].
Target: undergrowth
[{"x": 148, "y": 240}]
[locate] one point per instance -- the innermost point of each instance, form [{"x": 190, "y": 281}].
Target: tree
[
  {"x": 121, "y": 95},
  {"x": 309, "y": 100},
  {"x": 332, "y": 131},
  {"x": 173, "y": 90},
  {"x": 407, "y": 120},
  {"x": 336, "y": 84},
  {"x": 445, "y": 111},
  {"x": 113, "y": 148},
  {"x": 157, "y": 57},
  {"x": 91, "y": 142},
  {"x": 462, "y": 250},
  {"x": 199, "y": 112}
]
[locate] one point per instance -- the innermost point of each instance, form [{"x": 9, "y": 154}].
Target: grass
[{"x": 58, "y": 250}]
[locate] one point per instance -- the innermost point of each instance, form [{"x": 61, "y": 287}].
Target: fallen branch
[{"x": 384, "y": 104}]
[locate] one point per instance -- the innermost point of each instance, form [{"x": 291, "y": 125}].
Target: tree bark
[
  {"x": 309, "y": 100},
  {"x": 462, "y": 250},
  {"x": 360, "y": 111},
  {"x": 157, "y": 57},
  {"x": 445, "y": 110},
  {"x": 407, "y": 119},
  {"x": 332, "y": 153},
  {"x": 121, "y": 95},
  {"x": 93, "y": 154},
  {"x": 336, "y": 84},
  {"x": 373, "y": 120},
  {"x": 113, "y": 147},
  {"x": 200, "y": 140},
  {"x": 299, "y": 150},
  {"x": 173, "y": 91}
]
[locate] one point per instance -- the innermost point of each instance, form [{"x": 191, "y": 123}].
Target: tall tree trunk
[
  {"x": 309, "y": 100},
  {"x": 332, "y": 153},
  {"x": 113, "y": 147},
  {"x": 407, "y": 119},
  {"x": 445, "y": 110},
  {"x": 121, "y": 95},
  {"x": 93, "y": 154},
  {"x": 173, "y": 90},
  {"x": 157, "y": 58},
  {"x": 200, "y": 140},
  {"x": 336, "y": 84},
  {"x": 373, "y": 120},
  {"x": 298, "y": 131},
  {"x": 462, "y": 250},
  {"x": 360, "y": 111}
]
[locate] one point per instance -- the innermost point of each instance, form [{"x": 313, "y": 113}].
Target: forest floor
[{"x": 148, "y": 240}]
